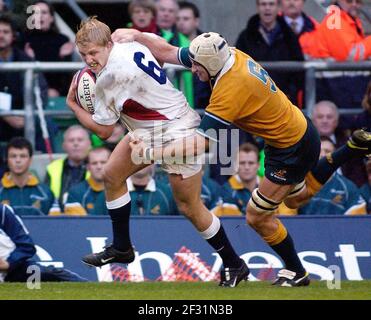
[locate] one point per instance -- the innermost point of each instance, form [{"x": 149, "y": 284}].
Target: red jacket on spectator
[{"x": 341, "y": 37}]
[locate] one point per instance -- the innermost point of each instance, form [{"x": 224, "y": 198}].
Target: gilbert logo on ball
[{"x": 85, "y": 92}]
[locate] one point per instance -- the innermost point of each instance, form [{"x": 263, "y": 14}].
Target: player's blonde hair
[{"x": 94, "y": 31}]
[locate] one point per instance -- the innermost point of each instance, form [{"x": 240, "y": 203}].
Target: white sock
[
  {"x": 119, "y": 202},
  {"x": 212, "y": 230}
]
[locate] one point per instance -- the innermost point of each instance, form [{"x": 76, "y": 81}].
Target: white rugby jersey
[{"x": 134, "y": 88}]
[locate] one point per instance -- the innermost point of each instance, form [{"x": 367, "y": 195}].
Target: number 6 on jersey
[{"x": 151, "y": 68}]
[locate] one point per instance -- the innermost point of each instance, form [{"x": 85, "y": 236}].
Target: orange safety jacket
[
  {"x": 340, "y": 37},
  {"x": 307, "y": 39}
]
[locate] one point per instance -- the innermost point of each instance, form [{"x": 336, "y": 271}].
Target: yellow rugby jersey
[{"x": 246, "y": 96}]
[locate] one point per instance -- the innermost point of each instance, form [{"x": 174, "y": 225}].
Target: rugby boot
[
  {"x": 109, "y": 255},
  {"x": 360, "y": 140},
  {"x": 231, "y": 277},
  {"x": 287, "y": 278}
]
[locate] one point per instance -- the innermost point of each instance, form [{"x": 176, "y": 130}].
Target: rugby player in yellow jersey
[{"x": 243, "y": 94}]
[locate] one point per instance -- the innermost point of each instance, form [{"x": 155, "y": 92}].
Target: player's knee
[
  {"x": 187, "y": 208},
  {"x": 253, "y": 220},
  {"x": 110, "y": 179},
  {"x": 183, "y": 206},
  {"x": 297, "y": 197},
  {"x": 260, "y": 209},
  {"x": 292, "y": 203}
]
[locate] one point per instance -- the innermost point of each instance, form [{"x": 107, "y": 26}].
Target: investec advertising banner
[{"x": 328, "y": 246}]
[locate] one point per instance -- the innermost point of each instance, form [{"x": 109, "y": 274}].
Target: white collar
[
  {"x": 227, "y": 66},
  {"x": 299, "y": 20},
  {"x": 151, "y": 185}
]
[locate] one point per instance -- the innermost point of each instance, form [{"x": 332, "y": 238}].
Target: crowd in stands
[{"x": 279, "y": 31}]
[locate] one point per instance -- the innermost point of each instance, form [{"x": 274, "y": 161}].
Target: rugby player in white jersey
[{"x": 132, "y": 88}]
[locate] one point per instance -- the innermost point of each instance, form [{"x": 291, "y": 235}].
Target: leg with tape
[{"x": 277, "y": 237}]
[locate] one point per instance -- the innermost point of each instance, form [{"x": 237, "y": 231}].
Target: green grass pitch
[{"x": 350, "y": 290}]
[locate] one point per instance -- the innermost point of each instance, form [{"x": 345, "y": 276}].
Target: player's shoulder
[
  {"x": 127, "y": 50},
  {"x": 124, "y": 56},
  {"x": 239, "y": 69}
]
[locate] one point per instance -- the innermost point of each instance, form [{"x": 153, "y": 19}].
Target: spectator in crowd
[
  {"x": 64, "y": 173},
  {"x": 188, "y": 21},
  {"x": 150, "y": 197},
  {"x": 17, "y": 253},
  {"x": 366, "y": 188},
  {"x": 339, "y": 196},
  {"x": 167, "y": 11},
  {"x": 48, "y": 44},
  {"x": 237, "y": 191},
  {"x": 12, "y": 87},
  {"x": 325, "y": 118},
  {"x": 363, "y": 119},
  {"x": 2, "y": 166},
  {"x": 303, "y": 25},
  {"x": 82, "y": 197},
  {"x": 340, "y": 37},
  {"x": 3, "y": 7},
  {"x": 143, "y": 16},
  {"x": 267, "y": 37},
  {"x": 211, "y": 192},
  {"x": 234, "y": 138},
  {"x": 20, "y": 188}
]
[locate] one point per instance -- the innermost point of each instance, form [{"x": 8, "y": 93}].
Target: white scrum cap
[{"x": 211, "y": 51}]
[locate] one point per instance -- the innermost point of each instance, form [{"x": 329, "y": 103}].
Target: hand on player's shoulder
[{"x": 124, "y": 35}]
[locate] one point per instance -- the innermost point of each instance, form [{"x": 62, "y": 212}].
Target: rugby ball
[{"x": 85, "y": 91}]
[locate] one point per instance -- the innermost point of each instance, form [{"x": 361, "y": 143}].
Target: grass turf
[{"x": 350, "y": 290}]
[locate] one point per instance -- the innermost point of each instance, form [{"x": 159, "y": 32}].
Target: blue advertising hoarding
[{"x": 326, "y": 245}]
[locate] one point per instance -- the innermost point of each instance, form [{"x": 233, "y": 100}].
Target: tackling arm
[
  {"x": 190, "y": 147},
  {"x": 162, "y": 51}
]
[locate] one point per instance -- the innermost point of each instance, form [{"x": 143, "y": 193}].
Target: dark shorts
[{"x": 290, "y": 165}]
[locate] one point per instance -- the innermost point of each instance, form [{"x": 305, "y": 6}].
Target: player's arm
[
  {"x": 211, "y": 128},
  {"x": 85, "y": 118},
  {"x": 175, "y": 151},
  {"x": 161, "y": 50}
]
